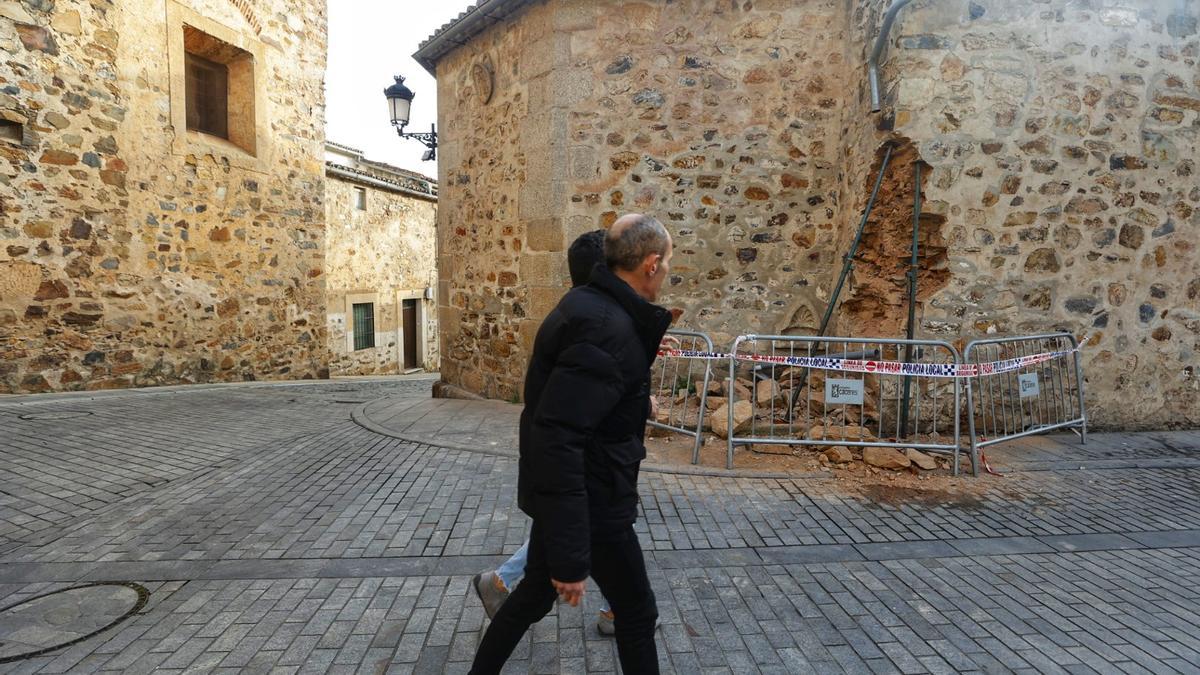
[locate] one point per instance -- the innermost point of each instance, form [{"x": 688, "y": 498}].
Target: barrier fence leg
[
  {"x": 729, "y": 403},
  {"x": 1082, "y": 410},
  {"x": 971, "y": 431},
  {"x": 912, "y": 294},
  {"x": 700, "y": 413}
]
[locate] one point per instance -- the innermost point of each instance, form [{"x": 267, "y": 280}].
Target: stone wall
[
  {"x": 136, "y": 252},
  {"x": 600, "y": 110},
  {"x": 383, "y": 254},
  {"x": 1064, "y": 139},
  {"x": 498, "y": 194},
  {"x": 724, "y": 120},
  {"x": 1057, "y": 142}
]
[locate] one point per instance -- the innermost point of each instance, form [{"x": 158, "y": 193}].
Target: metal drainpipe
[{"x": 873, "y": 62}]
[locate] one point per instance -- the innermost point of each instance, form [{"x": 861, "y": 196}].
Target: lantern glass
[{"x": 399, "y": 110}]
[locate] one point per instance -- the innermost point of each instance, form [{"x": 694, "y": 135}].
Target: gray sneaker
[
  {"x": 605, "y": 625},
  {"x": 491, "y": 592}
]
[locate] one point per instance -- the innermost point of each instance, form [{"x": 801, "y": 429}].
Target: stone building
[
  {"x": 1059, "y": 140},
  {"x": 380, "y": 266},
  {"x": 161, "y": 187}
]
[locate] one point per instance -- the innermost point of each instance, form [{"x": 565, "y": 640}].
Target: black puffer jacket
[{"x": 587, "y": 396}]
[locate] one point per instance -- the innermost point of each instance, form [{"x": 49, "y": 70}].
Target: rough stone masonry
[
  {"x": 1059, "y": 141},
  {"x": 380, "y": 250},
  {"x": 134, "y": 251}
]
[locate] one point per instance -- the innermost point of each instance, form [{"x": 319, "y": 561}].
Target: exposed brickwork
[{"x": 243, "y": 6}]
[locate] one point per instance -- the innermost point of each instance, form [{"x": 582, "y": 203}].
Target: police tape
[{"x": 946, "y": 370}]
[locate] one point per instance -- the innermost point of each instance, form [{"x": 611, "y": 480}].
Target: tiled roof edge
[
  {"x": 473, "y": 21},
  {"x": 426, "y": 189}
]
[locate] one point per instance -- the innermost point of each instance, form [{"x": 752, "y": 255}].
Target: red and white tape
[{"x": 945, "y": 370}]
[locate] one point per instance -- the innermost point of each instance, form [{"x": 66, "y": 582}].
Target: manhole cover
[
  {"x": 55, "y": 620},
  {"x": 56, "y": 415}
]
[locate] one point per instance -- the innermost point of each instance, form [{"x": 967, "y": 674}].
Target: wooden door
[{"x": 408, "y": 319}]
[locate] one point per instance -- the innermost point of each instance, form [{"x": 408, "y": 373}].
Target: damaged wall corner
[{"x": 876, "y": 300}]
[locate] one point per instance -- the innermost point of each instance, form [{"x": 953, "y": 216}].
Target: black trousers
[{"x": 619, "y": 569}]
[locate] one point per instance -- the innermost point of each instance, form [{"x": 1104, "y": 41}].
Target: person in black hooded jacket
[{"x": 587, "y": 397}]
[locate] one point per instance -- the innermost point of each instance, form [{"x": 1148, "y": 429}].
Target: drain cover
[
  {"x": 54, "y": 620},
  {"x": 56, "y": 415}
]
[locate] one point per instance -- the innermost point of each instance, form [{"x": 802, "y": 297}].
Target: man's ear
[{"x": 650, "y": 264}]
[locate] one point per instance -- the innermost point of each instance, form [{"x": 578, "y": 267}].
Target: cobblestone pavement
[{"x": 276, "y": 534}]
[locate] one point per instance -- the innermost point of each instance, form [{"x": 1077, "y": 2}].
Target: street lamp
[{"x": 399, "y": 106}]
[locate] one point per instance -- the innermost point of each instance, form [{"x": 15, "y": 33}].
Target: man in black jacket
[{"x": 587, "y": 396}]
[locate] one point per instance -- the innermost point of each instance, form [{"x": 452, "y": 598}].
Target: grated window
[{"x": 364, "y": 325}]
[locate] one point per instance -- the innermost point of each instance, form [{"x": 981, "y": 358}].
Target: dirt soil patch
[
  {"x": 884, "y": 488},
  {"x": 891, "y": 494},
  {"x": 676, "y": 450}
]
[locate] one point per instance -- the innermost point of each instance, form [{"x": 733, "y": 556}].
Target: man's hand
[
  {"x": 654, "y": 408},
  {"x": 669, "y": 342},
  {"x": 570, "y": 593}
]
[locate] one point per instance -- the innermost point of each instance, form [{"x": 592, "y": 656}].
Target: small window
[
  {"x": 218, "y": 89},
  {"x": 11, "y": 130},
  {"x": 360, "y": 199},
  {"x": 364, "y": 325},
  {"x": 207, "y": 96}
]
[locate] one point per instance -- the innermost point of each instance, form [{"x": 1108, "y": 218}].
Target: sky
[{"x": 369, "y": 42}]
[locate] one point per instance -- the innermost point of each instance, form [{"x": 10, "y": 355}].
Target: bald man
[{"x": 587, "y": 397}]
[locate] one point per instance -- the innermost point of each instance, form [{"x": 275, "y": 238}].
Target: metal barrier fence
[
  {"x": 1031, "y": 400},
  {"x": 680, "y": 385},
  {"x": 797, "y": 405}
]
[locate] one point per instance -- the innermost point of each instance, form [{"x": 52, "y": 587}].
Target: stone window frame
[
  {"x": 417, "y": 294},
  {"x": 360, "y": 198},
  {"x": 14, "y": 124},
  {"x": 351, "y": 300},
  {"x": 193, "y": 142}
]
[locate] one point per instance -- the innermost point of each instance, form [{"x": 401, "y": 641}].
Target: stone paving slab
[
  {"x": 1166, "y": 539},
  {"x": 1002, "y": 546},
  {"x": 906, "y": 549},
  {"x": 488, "y": 426},
  {"x": 293, "y": 539},
  {"x": 814, "y": 553},
  {"x": 1088, "y": 542}
]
